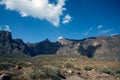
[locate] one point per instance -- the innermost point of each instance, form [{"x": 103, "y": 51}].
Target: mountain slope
[
  {"x": 11, "y": 46},
  {"x": 101, "y": 47}
]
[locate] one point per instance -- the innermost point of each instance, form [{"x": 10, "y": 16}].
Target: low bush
[
  {"x": 88, "y": 68},
  {"x": 49, "y": 70},
  {"x": 116, "y": 70},
  {"x": 117, "y": 75},
  {"x": 106, "y": 70},
  {"x": 22, "y": 63},
  {"x": 37, "y": 74},
  {"x": 68, "y": 64},
  {"x": 45, "y": 72},
  {"x": 6, "y": 66}
]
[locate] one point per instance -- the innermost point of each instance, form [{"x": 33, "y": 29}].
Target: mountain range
[{"x": 100, "y": 47}]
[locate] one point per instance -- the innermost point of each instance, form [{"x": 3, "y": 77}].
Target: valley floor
[{"x": 58, "y": 67}]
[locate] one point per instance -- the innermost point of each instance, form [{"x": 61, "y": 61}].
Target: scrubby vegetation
[
  {"x": 68, "y": 64},
  {"x": 5, "y": 65},
  {"x": 106, "y": 70},
  {"x": 58, "y": 67},
  {"x": 88, "y": 68}
]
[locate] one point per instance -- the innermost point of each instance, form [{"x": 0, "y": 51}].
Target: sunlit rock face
[
  {"x": 101, "y": 47},
  {"x": 109, "y": 49}
]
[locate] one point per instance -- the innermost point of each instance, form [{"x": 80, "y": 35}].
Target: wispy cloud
[
  {"x": 99, "y": 26},
  {"x": 114, "y": 34},
  {"x": 40, "y": 9},
  {"x": 85, "y": 33},
  {"x": 67, "y": 19},
  {"x": 7, "y": 28},
  {"x": 106, "y": 31},
  {"x": 1, "y": 3},
  {"x": 60, "y": 38}
]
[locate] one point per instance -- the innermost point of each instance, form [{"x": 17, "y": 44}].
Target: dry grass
[
  {"x": 56, "y": 61},
  {"x": 79, "y": 61}
]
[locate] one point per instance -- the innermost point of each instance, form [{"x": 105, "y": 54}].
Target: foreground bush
[
  {"x": 106, "y": 70},
  {"x": 6, "y": 66},
  {"x": 37, "y": 75},
  {"x": 117, "y": 72},
  {"x": 68, "y": 64},
  {"x": 88, "y": 68},
  {"x": 45, "y": 72},
  {"x": 49, "y": 70}
]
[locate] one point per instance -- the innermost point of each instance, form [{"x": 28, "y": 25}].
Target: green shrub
[
  {"x": 117, "y": 75},
  {"x": 116, "y": 70},
  {"x": 6, "y": 66},
  {"x": 45, "y": 72},
  {"x": 37, "y": 74},
  {"x": 49, "y": 70},
  {"x": 68, "y": 64},
  {"x": 88, "y": 68},
  {"x": 22, "y": 63},
  {"x": 106, "y": 70}
]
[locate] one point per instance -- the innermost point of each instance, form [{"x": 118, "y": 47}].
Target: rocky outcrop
[
  {"x": 44, "y": 47},
  {"x": 11, "y": 46},
  {"x": 109, "y": 49},
  {"x": 101, "y": 47}
]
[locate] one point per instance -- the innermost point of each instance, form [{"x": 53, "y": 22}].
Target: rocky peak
[
  {"x": 101, "y": 47},
  {"x": 65, "y": 41},
  {"x": 9, "y": 45},
  {"x": 5, "y": 35},
  {"x": 46, "y": 41}
]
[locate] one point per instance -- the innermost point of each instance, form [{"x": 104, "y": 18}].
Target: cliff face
[
  {"x": 102, "y": 47},
  {"x": 5, "y": 36},
  {"x": 11, "y": 46},
  {"x": 109, "y": 49},
  {"x": 44, "y": 47}
]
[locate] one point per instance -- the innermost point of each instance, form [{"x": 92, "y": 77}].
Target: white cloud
[
  {"x": 106, "y": 31},
  {"x": 0, "y": 28},
  {"x": 40, "y": 9},
  {"x": 85, "y": 33},
  {"x": 100, "y": 26},
  {"x": 59, "y": 38},
  {"x": 67, "y": 19},
  {"x": 1, "y": 3},
  {"x": 114, "y": 34},
  {"x": 7, "y": 28}
]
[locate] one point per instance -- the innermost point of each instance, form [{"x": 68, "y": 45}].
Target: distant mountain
[
  {"x": 44, "y": 47},
  {"x": 101, "y": 47}
]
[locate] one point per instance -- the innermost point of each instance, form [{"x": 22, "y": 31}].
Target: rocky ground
[{"x": 58, "y": 68}]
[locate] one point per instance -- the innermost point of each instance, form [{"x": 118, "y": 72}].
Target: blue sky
[{"x": 36, "y": 20}]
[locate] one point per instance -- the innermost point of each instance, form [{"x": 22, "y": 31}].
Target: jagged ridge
[{"x": 101, "y": 47}]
